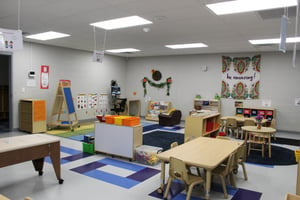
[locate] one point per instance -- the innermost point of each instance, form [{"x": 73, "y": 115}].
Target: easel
[{"x": 63, "y": 110}]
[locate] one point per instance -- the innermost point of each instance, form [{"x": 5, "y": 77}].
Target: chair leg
[
  {"x": 189, "y": 192},
  {"x": 232, "y": 180},
  {"x": 224, "y": 186},
  {"x": 167, "y": 188},
  {"x": 249, "y": 147},
  {"x": 244, "y": 171}
]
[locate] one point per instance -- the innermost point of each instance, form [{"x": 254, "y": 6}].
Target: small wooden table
[
  {"x": 266, "y": 132},
  {"x": 202, "y": 152},
  {"x": 34, "y": 147}
]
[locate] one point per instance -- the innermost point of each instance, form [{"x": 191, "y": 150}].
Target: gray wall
[
  {"x": 279, "y": 80},
  {"x": 279, "y": 83},
  {"x": 86, "y": 76}
]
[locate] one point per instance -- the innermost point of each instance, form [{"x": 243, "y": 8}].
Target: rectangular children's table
[{"x": 34, "y": 147}]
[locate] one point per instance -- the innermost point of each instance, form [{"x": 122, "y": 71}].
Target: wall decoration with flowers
[
  {"x": 241, "y": 77},
  {"x": 156, "y": 76}
]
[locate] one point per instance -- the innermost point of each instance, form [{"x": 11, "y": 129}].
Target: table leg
[
  {"x": 269, "y": 141},
  {"x": 38, "y": 165},
  {"x": 160, "y": 190},
  {"x": 55, "y": 158},
  {"x": 246, "y": 136},
  {"x": 208, "y": 184}
]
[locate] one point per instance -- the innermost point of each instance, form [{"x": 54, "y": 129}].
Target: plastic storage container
[
  {"x": 146, "y": 154},
  {"x": 131, "y": 121},
  {"x": 88, "y": 148}
]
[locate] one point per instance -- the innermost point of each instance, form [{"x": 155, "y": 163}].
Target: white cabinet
[{"x": 118, "y": 140}]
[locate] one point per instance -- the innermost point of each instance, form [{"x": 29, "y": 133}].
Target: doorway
[{"x": 5, "y": 87}]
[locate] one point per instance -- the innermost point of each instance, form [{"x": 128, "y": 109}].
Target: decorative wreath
[{"x": 156, "y": 75}]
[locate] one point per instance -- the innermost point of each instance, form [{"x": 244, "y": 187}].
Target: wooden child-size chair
[
  {"x": 178, "y": 171},
  {"x": 256, "y": 142},
  {"x": 231, "y": 124},
  {"x": 241, "y": 158},
  {"x": 225, "y": 170}
]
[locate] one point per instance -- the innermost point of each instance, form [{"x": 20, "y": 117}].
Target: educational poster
[
  {"x": 103, "y": 104},
  {"x": 81, "y": 101},
  {"x": 240, "y": 77},
  {"x": 92, "y": 101},
  {"x": 10, "y": 40},
  {"x": 44, "y": 77}
]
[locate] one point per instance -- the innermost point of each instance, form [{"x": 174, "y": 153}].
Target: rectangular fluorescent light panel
[
  {"x": 121, "y": 23},
  {"x": 274, "y": 41},
  {"x": 122, "y": 50},
  {"x": 47, "y": 35},
  {"x": 186, "y": 46},
  {"x": 238, "y": 6}
]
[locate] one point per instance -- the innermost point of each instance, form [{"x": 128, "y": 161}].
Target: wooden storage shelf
[
  {"x": 267, "y": 113},
  {"x": 201, "y": 125},
  {"x": 118, "y": 140},
  {"x": 133, "y": 107},
  {"x": 32, "y": 115},
  {"x": 212, "y": 105}
]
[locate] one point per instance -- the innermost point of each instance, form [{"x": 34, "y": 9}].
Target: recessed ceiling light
[
  {"x": 47, "y": 36},
  {"x": 122, "y": 50},
  {"x": 186, "y": 46},
  {"x": 121, "y": 23},
  {"x": 274, "y": 41},
  {"x": 239, "y": 6}
]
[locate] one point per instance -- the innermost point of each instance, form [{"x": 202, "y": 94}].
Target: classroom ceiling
[{"x": 174, "y": 22}]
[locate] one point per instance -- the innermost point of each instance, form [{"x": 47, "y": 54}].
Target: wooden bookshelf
[
  {"x": 203, "y": 124},
  {"x": 156, "y": 107}
]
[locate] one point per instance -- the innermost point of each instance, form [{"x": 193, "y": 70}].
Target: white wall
[
  {"x": 279, "y": 80},
  {"x": 86, "y": 76},
  {"x": 279, "y": 83}
]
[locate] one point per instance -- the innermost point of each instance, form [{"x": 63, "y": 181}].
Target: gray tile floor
[{"x": 20, "y": 180}]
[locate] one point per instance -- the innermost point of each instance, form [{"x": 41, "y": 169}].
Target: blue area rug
[
  {"x": 243, "y": 194},
  {"x": 151, "y": 127},
  {"x": 280, "y": 156},
  {"x": 162, "y": 139}
]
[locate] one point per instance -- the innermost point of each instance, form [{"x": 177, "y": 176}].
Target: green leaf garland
[{"x": 167, "y": 83}]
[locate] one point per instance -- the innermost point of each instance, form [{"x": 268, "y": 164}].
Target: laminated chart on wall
[
  {"x": 63, "y": 110},
  {"x": 92, "y": 101},
  {"x": 103, "y": 104},
  {"x": 81, "y": 101}
]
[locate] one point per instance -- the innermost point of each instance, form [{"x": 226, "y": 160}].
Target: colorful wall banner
[{"x": 240, "y": 77}]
